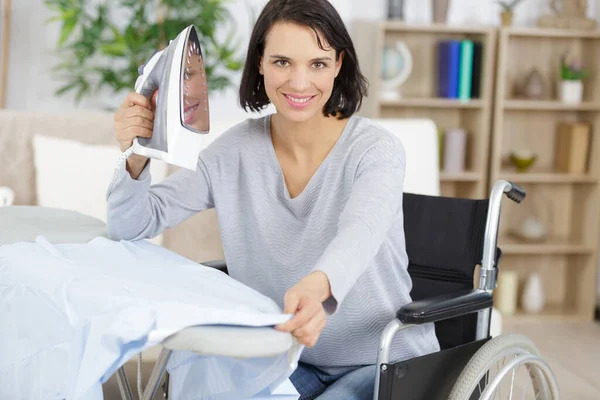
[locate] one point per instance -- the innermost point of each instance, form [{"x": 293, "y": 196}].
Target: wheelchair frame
[{"x": 478, "y": 300}]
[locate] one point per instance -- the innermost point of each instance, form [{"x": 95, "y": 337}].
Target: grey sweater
[{"x": 347, "y": 222}]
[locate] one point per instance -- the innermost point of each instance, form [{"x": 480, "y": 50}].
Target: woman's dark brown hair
[{"x": 349, "y": 87}]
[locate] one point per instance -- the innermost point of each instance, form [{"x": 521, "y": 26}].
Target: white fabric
[
  {"x": 420, "y": 140},
  {"x": 72, "y": 314}
]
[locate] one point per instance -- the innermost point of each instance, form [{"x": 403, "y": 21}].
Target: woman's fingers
[
  {"x": 127, "y": 132},
  {"x": 135, "y": 131},
  {"x": 138, "y": 120},
  {"x": 137, "y": 99},
  {"x": 309, "y": 333},
  {"x": 137, "y": 111}
]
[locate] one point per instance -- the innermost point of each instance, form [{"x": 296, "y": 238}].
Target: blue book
[{"x": 449, "y": 68}]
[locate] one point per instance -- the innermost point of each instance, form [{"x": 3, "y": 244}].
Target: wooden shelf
[
  {"x": 499, "y": 122},
  {"x": 567, "y": 204},
  {"x": 547, "y": 177},
  {"x": 432, "y": 103},
  {"x": 460, "y": 177},
  {"x": 549, "y": 105},
  {"x": 510, "y": 245},
  {"x": 400, "y": 26},
  {"x": 419, "y": 92},
  {"x": 551, "y": 33}
]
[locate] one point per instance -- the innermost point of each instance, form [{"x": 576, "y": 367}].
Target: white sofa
[{"x": 65, "y": 160}]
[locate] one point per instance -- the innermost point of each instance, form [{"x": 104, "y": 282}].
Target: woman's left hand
[{"x": 305, "y": 301}]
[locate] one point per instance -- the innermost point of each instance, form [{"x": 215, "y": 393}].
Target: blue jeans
[{"x": 312, "y": 383}]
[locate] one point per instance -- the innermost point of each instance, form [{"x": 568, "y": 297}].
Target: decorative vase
[
  {"x": 395, "y": 9},
  {"x": 533, "y": 294},
  {"x": 570, "y": 92},
  {"x": 506, "y": 297},
  {"x": 534, "y": 85},
  {"x": 522, "y": 159},
  {"x": 507, "y": 17},
  {"x": 455, "y": 148},
  {"x": 440, "y": 10}
]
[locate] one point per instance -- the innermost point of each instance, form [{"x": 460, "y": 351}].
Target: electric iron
[{"x": 181, "y": 116}]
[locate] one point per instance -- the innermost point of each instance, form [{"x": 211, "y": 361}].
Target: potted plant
[
  {"x": 507, "y": 13},
  {"x": 101, "y": 46},
  {"x": 571, "y": 79}
]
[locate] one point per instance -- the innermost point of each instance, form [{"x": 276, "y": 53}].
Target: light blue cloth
[{"x": 72, "y": 314}]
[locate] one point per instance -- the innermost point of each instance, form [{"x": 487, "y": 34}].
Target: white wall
[{"x": 31, "y": 85}]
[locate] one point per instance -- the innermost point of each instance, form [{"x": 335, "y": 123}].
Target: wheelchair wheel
[{"x": 494, "y": 372}]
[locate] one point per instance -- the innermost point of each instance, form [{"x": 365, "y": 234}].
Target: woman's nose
[{"x": 299, "y": 79}]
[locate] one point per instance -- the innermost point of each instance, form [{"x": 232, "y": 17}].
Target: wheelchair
[{"x": 448, "y": 240}]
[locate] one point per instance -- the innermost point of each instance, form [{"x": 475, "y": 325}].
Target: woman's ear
[
  {"x": 260, "y": 68},
  {"x": 338, "y": 63}
]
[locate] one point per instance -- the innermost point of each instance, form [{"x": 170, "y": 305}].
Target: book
[
  {"x": 572, "y": 147},
  {"x": 466, "y": 70},
  {"x": 448, "y": 68},
  {"x": 477, "y": 70}
]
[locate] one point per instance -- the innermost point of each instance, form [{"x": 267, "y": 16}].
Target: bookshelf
[
  {"x": 566, "y": 203},
  {"x": 419, "y": 93}
]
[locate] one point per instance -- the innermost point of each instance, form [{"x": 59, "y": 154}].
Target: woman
[{"x": 309, "y": 199}]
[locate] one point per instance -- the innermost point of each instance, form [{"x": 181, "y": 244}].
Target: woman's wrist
[
  {"x": 320, "y": 282},
  {"x": 135, "y": 165}
]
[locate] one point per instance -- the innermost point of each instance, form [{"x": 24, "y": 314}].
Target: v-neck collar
[{"x": 276, "y": 166}]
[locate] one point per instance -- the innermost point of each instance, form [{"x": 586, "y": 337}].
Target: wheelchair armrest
[
  {"x": 446, "y": 306},
  {"x": 221, "y": 265}
]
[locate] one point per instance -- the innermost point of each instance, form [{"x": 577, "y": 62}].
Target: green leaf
[
  {"x": 114, "y": 49},
  {"x": 62, "y": 90},
  {"x": 234, "y": 65},
  {"x": 69, "y": 24},
  {"x": 102, "y": 46}
]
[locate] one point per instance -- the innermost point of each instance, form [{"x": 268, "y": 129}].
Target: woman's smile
[{"x": 299, "y": 102}]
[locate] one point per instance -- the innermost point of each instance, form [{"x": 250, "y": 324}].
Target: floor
[{"x": 572, "y": 349}]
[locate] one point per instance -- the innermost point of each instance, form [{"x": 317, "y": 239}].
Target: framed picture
[{"x": 4, "y": 48}]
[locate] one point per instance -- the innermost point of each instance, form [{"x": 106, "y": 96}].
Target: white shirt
[{"x": 72, "y": 314}]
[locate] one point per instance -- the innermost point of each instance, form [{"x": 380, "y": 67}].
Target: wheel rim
[
  {"x": 513, "y": 374},
  {"x": 535, "y": 366}
]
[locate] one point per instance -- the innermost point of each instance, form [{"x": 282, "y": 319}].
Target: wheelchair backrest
[{"x": 444, "y": 242}]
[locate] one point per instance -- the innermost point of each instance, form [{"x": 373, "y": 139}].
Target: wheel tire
[{"x": 479, "y": 364}]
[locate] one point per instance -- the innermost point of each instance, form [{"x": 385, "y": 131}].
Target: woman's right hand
[{"x": 135, "y": 117}]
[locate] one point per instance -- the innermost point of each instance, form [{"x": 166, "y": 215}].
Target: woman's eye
[
  {"x": 281, "y": 63},
  {"x": 319, "y": 65}
]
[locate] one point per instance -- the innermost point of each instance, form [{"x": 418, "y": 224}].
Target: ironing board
[{"x": 25, "y": 223}]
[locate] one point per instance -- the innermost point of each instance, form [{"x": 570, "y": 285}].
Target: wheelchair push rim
[{"x": 505, "y": 355}]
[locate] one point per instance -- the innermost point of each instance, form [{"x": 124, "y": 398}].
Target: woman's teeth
[
  {"x": 190, "y": 111},
  {"x": 299, "y": 100}
]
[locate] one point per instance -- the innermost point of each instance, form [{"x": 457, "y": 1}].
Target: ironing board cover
[{"x": 72, "y": 314}]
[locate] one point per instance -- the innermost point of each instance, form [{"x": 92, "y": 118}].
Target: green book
[{"x": 466, "y": 70}]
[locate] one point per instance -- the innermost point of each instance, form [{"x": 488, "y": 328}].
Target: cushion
[
  {"x": 420, "y": 140},
  {"x": 72, "y": 175}
]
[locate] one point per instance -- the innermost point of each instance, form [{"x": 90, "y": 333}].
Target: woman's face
[
  {"x": 298, "y": 74},
  {"x": 195, "y": 89}
]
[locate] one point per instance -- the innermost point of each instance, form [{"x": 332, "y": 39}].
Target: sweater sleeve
[
  {"x": 139, "y": 210},
  {"x": 373, "y": 205}
]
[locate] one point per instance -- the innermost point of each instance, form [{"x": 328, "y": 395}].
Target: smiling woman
[
  {"x": 309, "y": 201},
  {"x": 312, "y": 66}
]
